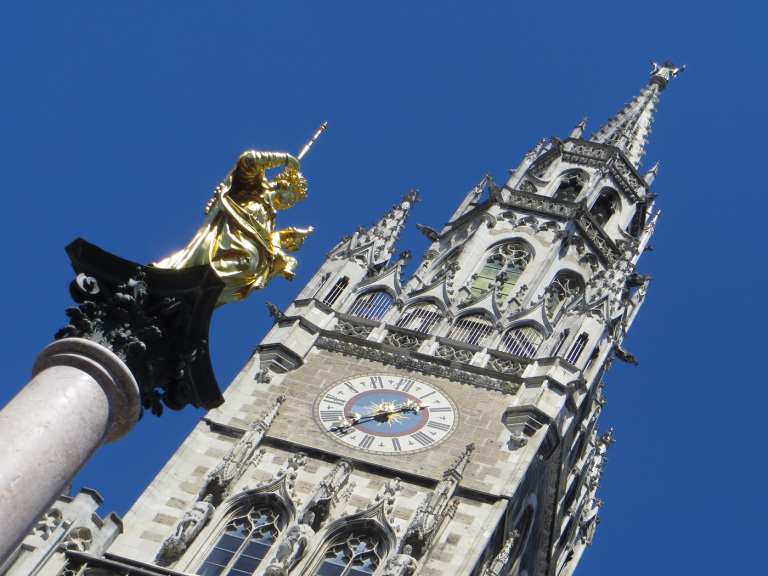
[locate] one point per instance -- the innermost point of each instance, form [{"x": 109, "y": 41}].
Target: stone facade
[{"x": 515, "y": 312}]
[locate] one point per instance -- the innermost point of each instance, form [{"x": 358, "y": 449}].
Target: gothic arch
[
  {"x": 605, "y": 206},
  {"x": 422, "y": 316},
  {"x": 570, "y": 185},
  {"x": 244, "y": 534},
  {"x": 473, "y": 328},
  {"x": 372, "y": 304},
  {"x": 233, "y": 516},
  {"x": 364, "y": 539},
  {"x": 523, "y": 339},
  {"x": 502, "y": 266},
  {"x": 564, "y": 289}
]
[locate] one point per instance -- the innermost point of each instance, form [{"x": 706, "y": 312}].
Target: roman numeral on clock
[
  {"x": 422, "y": 438},
  {"x": 352, "y": 388},
  {"x": 366, "y": 441},
  {"x": 396, "y": 445},
  {"x": 441, "y": 409},
  {"x": 376, "y": 382},
  {"x": 404, "y": 385},
  {"x": 331, "y": 415},
  {"x": 333, "y": 400},
  {"x": 438, "y": 426}
]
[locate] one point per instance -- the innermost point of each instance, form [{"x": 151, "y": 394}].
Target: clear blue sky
[{"x": 118, "y": 119}]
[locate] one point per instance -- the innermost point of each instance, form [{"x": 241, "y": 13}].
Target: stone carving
[
  {"x": 635, "y": 280},
  {"x": 434, "y": 508},
  {"x": 454, "y": 353},
  {"x": 326, "y": 494},
  {"x": 544, "y": 204},
  {"x": 404, "y": 258},
  {"x": 505, "y": 365},
  {"x": 275, "y": 312},
  {"x": 402, "y": 340},
  {"x": 624, "y": 355},
  {"x": 78, "y": 539},
  {"x": 290, "y": 550},
  {"x": 422, "y": 364},
  {"x": 190, "y": 525},
  {"x": 518, "y": 438},
  {"x": 48, "y": 523},
  {"x": 523, "y": 422},
  {"x": 263, "y": 376},
  {"x": 386, "y": 497},
  {"x": 375, "y": 246},
  {"x": 316, "y": 511},
  {"x": 431, "y": 234},
  {"x": 598, "y": 239},
  {"x": 350, "y": 329},
  {"x": 498, "y": 566},
  {"x": 400, "y": 565},
  {"x": 220, "y": 480}
]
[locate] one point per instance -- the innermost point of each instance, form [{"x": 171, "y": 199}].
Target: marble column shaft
[{"x": 81, "y": 396}]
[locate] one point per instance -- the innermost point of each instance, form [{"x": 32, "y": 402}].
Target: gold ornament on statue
[{"x": 238, "y": 237}]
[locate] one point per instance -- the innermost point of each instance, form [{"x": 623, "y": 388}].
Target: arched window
[
  {"x": 372, "y": 305},
  {"x": 358, "y": 553},
  {"x": 502, "y": 268},
  {"x": 247, "y": 537},
  {"x": 472, "y": 329},
  {"x": 565, "y": 287},
  {"x": 420, "y": 317},
  {"x": 571, "y": 184},
  {"x": 605, "y": 206},
  {"x": 523, "y": 341}
]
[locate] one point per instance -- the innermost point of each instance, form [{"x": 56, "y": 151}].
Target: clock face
[{"x": 386, "y": 413}]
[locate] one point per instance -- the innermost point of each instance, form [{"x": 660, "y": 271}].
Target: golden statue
[{"x": 238, "y": 237}]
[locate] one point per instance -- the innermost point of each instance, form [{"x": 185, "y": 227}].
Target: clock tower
[{"x": 441, "y": 424}]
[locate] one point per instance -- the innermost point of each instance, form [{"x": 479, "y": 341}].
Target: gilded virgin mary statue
[{"x": 238, "y": 237}]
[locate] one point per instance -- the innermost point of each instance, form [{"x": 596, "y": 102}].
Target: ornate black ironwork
[{"x": 156, "y": 320}]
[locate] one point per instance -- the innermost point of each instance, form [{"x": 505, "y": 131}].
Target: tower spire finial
[
  {"x": 629, "y": 129},
  {"x": 661, "y": 74}
]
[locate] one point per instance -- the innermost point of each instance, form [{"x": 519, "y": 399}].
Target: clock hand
[{"x": 354, "y": 418}]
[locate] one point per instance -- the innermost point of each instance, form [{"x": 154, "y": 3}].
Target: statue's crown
[{"x": 295, "y": 180}]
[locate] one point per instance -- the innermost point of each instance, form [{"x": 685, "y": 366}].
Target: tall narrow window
[
  {"x": 247, "y": 538},
  {"x": 420, "y": 317},
  {"x": 360, "y": 553},
  {"x": 571, "y": 184},
  {"x": 564, "y": 289},
  {"x": 336, "y": 291},
  {"x": 372, "y": 305},
  {"x": 502, "y": 268},
  {"x": 472, "y": 329},
  {"x": 577, "y": 348},
  {"x": 605, "y": 206},
  {"x": 523, "y": 341}
]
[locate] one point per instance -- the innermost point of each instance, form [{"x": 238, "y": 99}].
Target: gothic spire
[{"x": 629, "y": 129}]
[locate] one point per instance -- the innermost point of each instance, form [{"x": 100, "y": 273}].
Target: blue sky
[{"x": 118, "y": 120}]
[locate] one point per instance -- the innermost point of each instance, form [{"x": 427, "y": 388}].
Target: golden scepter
[{"x": 304, "y": 150}]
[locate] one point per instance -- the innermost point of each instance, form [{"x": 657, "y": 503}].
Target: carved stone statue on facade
[
  {"x": 290, "y": 550},
  {"x": 190, "y": 525},
  {"x": 238, "y": 237},
  {"x": 400, "y": 565}
]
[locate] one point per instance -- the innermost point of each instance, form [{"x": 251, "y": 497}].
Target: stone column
[{"x": 81, "y": 396}]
